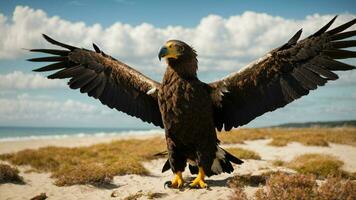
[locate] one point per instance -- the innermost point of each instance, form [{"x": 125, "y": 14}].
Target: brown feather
[
  {"x": 101, "y": 76},
  {"x": 283, "y": 75},
  {"x": 343, "y": 35}
]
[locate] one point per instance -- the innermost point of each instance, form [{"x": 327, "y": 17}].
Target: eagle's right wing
[
  {"x": 114, "y": 83},
  {"x": 282, "y": 76}
]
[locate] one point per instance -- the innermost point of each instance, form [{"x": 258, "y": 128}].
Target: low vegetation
[
  {"x": 95, "y": 164},
  {"x": 148, "y": 195},
  {"x": 320, "y": 165},
  {"x": 278, "y": 163},
  {"x": 299, "y": 186},
  {"x": 283, "y": 186},
  {"x": 9, "y": 174},
  {"x": 283, "y": 136},
  {"x": 243, "y": 153},
  {"x": 98, "y": 164},
  {"x": 337, "y": 188},
  {"x": 238, "y": 194},
  {"x": 278, "y": 185},
  {"x": 249, "y": 180}
]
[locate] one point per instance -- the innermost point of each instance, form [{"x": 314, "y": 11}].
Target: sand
[{"x": 124, "y": 186}]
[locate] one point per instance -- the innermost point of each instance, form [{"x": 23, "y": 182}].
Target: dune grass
[
  {"x": 9, "y": 174},
  {"x": 96, "y": 164},
  {"x": 299, "y": 186},
  {"x": 288, "y": 187},
  {"x": 283, "y": 136},
  {"x": 337, "y": 188},
  {"x": 280, "y": 185},
  {"x": 248, "y": 180},
  {"x": 148, "y": 195},
  {"x": 320, "y": 165},
  {"x": 278, "y": 163},
  {"x": 243, "y": 153}
]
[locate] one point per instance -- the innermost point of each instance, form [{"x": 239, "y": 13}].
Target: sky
[{"x": 227, "y": 35}]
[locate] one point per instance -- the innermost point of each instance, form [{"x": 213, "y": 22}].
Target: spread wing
[
  {"x": 102, "y": 77},
  {"x": 283, "y": 75}
]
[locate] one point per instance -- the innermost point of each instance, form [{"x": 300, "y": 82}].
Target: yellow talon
[
  {"x": 199, "y": 180},
  {"x": 178, "y": 181}
]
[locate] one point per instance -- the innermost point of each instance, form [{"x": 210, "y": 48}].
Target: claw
[
  {"x": 177, "y": 182},
  {"x": 167, "y": 184},
  {"x": 198, "y": 182}
]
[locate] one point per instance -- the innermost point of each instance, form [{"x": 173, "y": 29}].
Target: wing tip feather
[
  {"x": 342, "y": 27},
  {"x": 325, "y": 27},
  {"x": 52, "y": 41},
  {"x": 96, "y": 48}
]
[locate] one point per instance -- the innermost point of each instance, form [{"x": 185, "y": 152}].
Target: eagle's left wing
[
  {"x": 102, "y": 77},
  {"x": 283, "y": 75}
]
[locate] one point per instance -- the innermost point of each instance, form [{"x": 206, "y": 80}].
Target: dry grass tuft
[
  {"x": 135, "y": 196},
  {"x": 243, "y": 153},
  {"x": 9, "y": 174},
  {"x": 156, "y": 195},
  {"x": 278, "y": 163},
  {"x": 148, "y": 195},
  {"x": 288, "y": 187},
  {"x": 283, "y": 136},
  {"x": 95, "y": 164},
  {"x": 337, "y": 188},
  {"x": 321, "y": 165},
  {"x": 238, "y": 194},
  {"x": 251, "y": 180},
  {"x": 298, "y": 186},
  {"x": 247, "y": 180}
]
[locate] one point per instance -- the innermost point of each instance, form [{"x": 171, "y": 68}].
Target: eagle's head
[{"x": 177, "y": 51}]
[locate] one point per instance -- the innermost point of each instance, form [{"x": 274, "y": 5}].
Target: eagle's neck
[{"x": 185, "y": 68}]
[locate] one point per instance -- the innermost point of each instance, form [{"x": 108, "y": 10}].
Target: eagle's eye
[{"x": 180, "y": 48}]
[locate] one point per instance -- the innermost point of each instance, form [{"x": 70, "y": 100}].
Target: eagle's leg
[
  {"x": 199, "y": 180},
  {"x": 177, "y": 181}
]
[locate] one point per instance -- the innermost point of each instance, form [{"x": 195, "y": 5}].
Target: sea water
[{"x": 25, "y": 133}]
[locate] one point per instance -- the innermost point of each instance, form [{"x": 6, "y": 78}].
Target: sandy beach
[{"x": 124, "y": 186}]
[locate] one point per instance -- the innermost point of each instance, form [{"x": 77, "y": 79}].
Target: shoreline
[{"x": 10, "y": 146}]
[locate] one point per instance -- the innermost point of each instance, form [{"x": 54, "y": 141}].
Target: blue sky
[
  {"x": 185, "y": 13},
  {"x": 226, "y": 34}
]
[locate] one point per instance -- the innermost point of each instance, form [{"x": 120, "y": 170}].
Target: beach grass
[
  {"x": 243, "y": 153},
  {"x": 282, "y": 136},
  {"x": 96, "y": 164},
  {"x": 281, "y": 185},
  {"x": 320, "y": 165},
  {"x": 300, "y": 186},
  {"x": 9, "y": 174},
  {"x": 278, "y": 163}
]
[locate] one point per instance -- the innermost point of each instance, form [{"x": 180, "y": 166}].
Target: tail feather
[
  {"x": 231, "y": 158},
  {"x": 223, "y": 160},
  {"x": 226, "y": 166},
  {"x": 221, "y": 163},
  {"x": 166, "y": 166}
]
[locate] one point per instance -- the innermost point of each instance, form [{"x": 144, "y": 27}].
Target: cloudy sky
[{"x": 227, "y": 35}]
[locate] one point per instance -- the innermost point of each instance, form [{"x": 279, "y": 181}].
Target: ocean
[{"x": 25, "y": 133}]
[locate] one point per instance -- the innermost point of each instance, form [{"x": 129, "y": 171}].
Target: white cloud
[
  {"x": 25, "y": 106},
  {"x": 20, "y": 80},
  {"x": 222, "y": 43},
  {"x": 25, "y": 109}
]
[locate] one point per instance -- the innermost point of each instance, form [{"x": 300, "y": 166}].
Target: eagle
[{"x": 191, "y": 111}]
